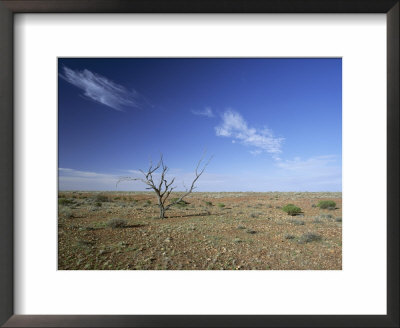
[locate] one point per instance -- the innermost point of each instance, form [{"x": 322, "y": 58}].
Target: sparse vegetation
[
  {"x": 325, "y": 216},
  {"x": 248, "y": 233},
  {"x": 179, "y": 203},
  {"x": 291, "y": 209},
  {"x": 65, "y": 201},
  {"x": 101, "y": 198},
  {"x": 309, "y": 237},
  {"x": 117, "y": 223},
  {"x": 65, "y": 213},
  {"x": 324, "y": 204},
  {"x": 221, "y": 205}
]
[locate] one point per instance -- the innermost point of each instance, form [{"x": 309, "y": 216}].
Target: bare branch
[
  {"x": 163, "y": 188},
  {"x": 192, "y": 186}
]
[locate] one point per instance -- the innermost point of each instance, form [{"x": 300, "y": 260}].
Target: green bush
[
  {"x": 324, "y": 204},
  {"x": 291, "y": 209},
  {"x": 221, "y": 205},
  {"x": 209, "y": 203}
]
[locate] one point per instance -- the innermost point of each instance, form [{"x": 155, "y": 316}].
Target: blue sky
[{"x": 270, "y": 124}]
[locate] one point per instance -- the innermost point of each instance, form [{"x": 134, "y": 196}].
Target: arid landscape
[{"x": 207, "y": 231}]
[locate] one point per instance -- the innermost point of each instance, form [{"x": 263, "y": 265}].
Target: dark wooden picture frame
[{"x": 10, "y": 7}]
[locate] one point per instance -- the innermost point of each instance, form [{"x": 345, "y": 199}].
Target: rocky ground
[{"x": 214, "y": 231}]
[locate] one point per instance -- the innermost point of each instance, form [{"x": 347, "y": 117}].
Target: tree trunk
[{"x": 162, "y": 211}]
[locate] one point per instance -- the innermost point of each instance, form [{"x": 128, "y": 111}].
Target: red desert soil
[{"x": 215, "y": 231}]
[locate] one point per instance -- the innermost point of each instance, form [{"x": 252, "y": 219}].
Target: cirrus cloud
[
  {"x": 207, "y": 112},
  {"x": 100, "y": 89},
  {"x": 234, "y": 126}
]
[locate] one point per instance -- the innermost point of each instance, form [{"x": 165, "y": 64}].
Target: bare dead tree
[{"x": 162, "y": 187}]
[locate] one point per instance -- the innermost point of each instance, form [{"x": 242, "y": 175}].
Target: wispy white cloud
[
  {"x": 100, "y": 89},
  {"x": 256, "y": 152},
  {"x": 206, "y": 112},
  {"x": 234, "y": 126}
]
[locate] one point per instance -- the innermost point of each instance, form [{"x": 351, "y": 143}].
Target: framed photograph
[{"x": 190, "y": 164}]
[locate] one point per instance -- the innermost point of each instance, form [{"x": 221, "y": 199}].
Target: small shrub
[
  {"x": 326, "y": 216},
  {"x": 313, "y": 205},
  {"x": 254, "y": 215},
  {"x": 291, "y": 209},
  {"x": 250, "y": 231},
  {"x": 98, "y": 204},
  {"x": 309, "y": 237},
  {"x": 65, "y": 201},
  {"x": 65, "y": 212},
  {"x": 289, "y": 236},
  {"x": 117, "y": 198},
  {"x": 101, "y": 198},
  {"x": 241, "y": 227},
  {"x": 221, "y": 205},
  {"x": 88, "y": 228},
  {"x": 117, "y": 223},
  {"x": 148, "y": 202},
  {"x": 209, "y": 203},
  {"x": 324, "y": 204},
  {"x": 181, "y": 203},
  {"x": 338, "y": 219},
  {"x": 317, "y": 220}
]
